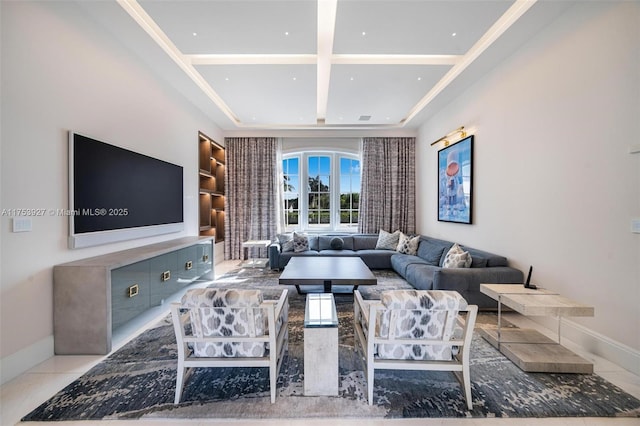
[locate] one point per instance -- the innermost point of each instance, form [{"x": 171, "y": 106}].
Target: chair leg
[
  {"x": 464, "y": 379},
  {"x": 370, "y": 373},
  {"x": 273, "y": 377},
  {"x": 179, "y": 383},
  {"x": 466, "y": 383}
]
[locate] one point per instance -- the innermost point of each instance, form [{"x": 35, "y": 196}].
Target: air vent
[{"x": 364, "y": 118}]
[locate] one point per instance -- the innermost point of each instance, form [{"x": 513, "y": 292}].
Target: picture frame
[{"x": 455, "y": 182}]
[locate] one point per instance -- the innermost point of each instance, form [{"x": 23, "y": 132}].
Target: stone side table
[{"x": 320, "y": 345}]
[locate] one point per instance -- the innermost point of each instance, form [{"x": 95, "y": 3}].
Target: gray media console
[{"x": 94, "y": 296}]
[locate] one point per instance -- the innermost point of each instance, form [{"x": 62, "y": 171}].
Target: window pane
[
  {"x": 325, "y": 165},
  {"x": 314, "y": 169},
  {"x": 349, "y": 191}
]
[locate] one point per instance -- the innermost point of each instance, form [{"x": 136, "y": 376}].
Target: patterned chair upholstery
[
  {"x": 415, "y": 330},
  {"x": 230, "y": 327}
]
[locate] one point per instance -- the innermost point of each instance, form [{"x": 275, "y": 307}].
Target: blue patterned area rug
[{"x": 138, "y": 381}]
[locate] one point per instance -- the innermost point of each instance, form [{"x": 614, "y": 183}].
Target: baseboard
[
  {"x": 596, "y": 343},
  {"x": 18, "y": 363}
]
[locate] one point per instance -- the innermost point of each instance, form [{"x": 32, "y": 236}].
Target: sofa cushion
[
  {"x": 387, "y": 241},
  {"x": 365, "y": 242},
  {"x": 432, "y": 251},
  {"x": 300, "y": 242},
  {"x": 286, "y": 242},
  {"x": 376, "y": 259},
  {"x": 400, "y": 262},
  {"x": 457, "y": 258},
  {"x": 314, "y": 242},
  {"x": 337, "y": 253},
  {"x": 485, "y": 259}
]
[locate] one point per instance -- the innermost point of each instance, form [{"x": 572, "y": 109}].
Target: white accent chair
[
  {"x": 415, "y": 330},
  {"x": 230, "y": 328}
]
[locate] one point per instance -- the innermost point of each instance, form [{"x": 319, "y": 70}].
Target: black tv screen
[{"x": 117, "y": 194}]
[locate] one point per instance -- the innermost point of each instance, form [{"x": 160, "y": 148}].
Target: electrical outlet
[
  {"x": 21, "y": 224},
  {"x": 635, "y": 225}
]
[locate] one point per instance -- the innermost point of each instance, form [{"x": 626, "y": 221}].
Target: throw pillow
[
  {"x": 457, "y": 258},
  {"x": 387, "y": 241},
  {"x": 300, "y": 242},
  {"x": 286, "y": 242},
  {"x": 407, "y": 244},
  {"x": 337, "y": 243}
]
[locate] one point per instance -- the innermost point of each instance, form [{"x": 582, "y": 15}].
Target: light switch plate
[
  {"x": 635, "y": 225},
  {"x": 21, "y": 224}
]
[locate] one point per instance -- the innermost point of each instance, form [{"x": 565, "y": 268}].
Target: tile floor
[{"x": 24, "y": 393}]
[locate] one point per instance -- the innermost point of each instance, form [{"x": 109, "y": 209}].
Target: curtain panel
[
  {"x": 387, "y": 196},
  {"x": 252, "y": 207}
]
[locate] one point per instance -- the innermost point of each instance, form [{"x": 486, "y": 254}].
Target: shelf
[{"x": 211, "y": 187}]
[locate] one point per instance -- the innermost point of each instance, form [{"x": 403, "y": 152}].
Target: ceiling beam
[
  {"x": 395, "y": 59},
  {"x": 133, "y": 8},
  {"x": 512, "y": 14},
  {"x": 252, "y": 59},
  {"x": 326, "y": 30}
]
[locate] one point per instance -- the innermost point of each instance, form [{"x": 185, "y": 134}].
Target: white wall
[
  {"x": 60, "y": 72},
  {"x": 554, "y": 183}
]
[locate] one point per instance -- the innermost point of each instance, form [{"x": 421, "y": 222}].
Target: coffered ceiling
[{"x": 331, "y": 64}]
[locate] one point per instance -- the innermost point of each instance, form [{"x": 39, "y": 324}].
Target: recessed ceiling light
[
  {"x": 419, "y": 78},
  {"x": 226, "y": 78},
  {"x": 454, "y": 34},
  {"x": 295, "y": 78},
  {"x": 351, "y": 79},
  {"x": 195, "y": 34},
  {"x": 286, "y": 33},
  {"x": 364, "y": 33}
]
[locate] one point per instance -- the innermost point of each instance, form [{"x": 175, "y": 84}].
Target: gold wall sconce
[{"x": 459, "y": 131}]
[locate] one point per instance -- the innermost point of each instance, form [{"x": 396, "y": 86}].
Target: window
[
  {"x": 291, "y": 169},
  {"x": 330, "y": 200}
]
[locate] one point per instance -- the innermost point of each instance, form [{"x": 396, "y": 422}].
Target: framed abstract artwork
[{"x": 455, "y": 182}]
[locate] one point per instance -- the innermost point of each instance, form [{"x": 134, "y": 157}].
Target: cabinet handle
[
  {"x": 205, "y": 258},
  {"x": 133, "y": 290},
  {"x": 166, "y": 276},
  {"x": 188, "y": 265}
]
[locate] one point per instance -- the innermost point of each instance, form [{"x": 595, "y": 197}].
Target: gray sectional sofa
[{"x": 423, "y": 271}]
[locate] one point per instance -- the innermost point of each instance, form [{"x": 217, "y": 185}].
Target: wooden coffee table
[
  {"x": 529, "y": 349},
  {"x": 327, "y": 272}
]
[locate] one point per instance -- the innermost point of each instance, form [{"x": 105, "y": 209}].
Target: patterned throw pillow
[
  {"x": 300, "y": 242},
  {"x": 286, "y": 242},
  {"x": 387, "y": 241},
  {"x": 407, "y": 244},
  {"x": 457, "y": 258}
]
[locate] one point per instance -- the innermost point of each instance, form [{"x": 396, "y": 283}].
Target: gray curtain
[
  {"x": 387, "y": 196},
  {"x": 252, "y": 208}
]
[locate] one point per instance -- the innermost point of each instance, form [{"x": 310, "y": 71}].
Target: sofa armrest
[{"x": 274, "y": 255}]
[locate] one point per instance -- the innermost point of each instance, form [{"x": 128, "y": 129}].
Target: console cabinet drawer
[
  {"x": 205, "y": 260},
  {"x": 163, "y": 277},
  {"x": 187, "y": 266},
  {"x": 129, "y": 292}
]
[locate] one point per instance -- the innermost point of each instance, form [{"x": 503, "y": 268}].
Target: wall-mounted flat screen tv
[{"x": 116, "y": 194}]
